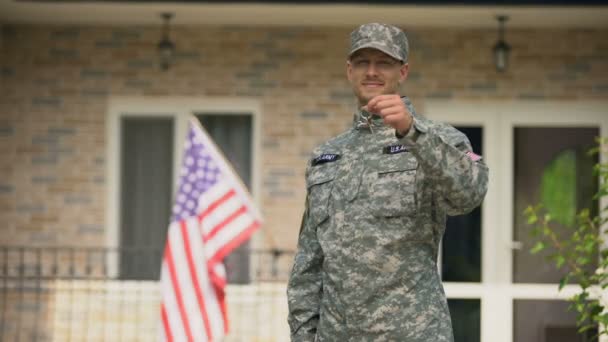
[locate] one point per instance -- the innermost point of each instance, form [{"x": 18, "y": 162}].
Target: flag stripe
[
  {"x": 216, "y": 204},
  {"x": 175, "y": 324},
  {"x": 212, "y": 194},
  {"x": 233, "y": 216},
  {"x": 227, "y": 233},
  {"x": 221, "y": 253},
  {"x": 167, "y": 328},
  {"x": 177, "y": 290},
  {"x": 217, "y": 277},
  {"x": 207, "y": 287},
  {"x": 184, "y": 278},
  {"x": 197, "y": 288},
  {"x": 220, "y": 282},
  {"x": 215, "y": 217}
]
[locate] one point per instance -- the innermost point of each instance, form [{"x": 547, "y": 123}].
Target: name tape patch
[
  {"x": 394, "y": 149},
  {"x": 325, "y": 158}
]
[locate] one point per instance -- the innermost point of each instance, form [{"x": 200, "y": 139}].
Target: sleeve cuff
[{"x": 412, "y": 134}]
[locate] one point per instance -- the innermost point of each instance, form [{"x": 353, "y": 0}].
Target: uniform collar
[{"x": 360, "y": 121}]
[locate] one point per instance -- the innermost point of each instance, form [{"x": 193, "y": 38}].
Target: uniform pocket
[
  {"x": 319, "y": 182},
  {"x": 401, "y": 299},
  {"x": 394, "y": 189}
]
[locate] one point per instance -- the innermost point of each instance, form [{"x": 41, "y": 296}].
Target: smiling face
[{"x": 371, "y": 72}]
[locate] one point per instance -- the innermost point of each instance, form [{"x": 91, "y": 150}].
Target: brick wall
[{"x": 56, "y": 82}]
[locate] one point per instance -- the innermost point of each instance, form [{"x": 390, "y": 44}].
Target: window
[
  {"x": 552, "y": 166},
  {"x": 465, "y": 319},
  {"x": 146, "y": 174},
  {"x": 145, "y": 140},
  {"x": 461, "y": 244}
]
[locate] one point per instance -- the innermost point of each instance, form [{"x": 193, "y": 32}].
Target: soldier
[{"x": 376, "y": 206}]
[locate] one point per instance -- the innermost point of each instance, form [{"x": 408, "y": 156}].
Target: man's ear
[
  {"x": 349, "y": 70},
  {"x": 404, "y": 71}
]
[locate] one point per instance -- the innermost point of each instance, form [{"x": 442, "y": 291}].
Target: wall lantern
[
  {"x": 166, "y": 48},
  {"x": 501, "y": 48}
]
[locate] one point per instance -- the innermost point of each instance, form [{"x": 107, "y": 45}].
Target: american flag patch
[{"x": 474, "y": 157}]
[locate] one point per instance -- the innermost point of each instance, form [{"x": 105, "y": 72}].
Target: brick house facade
[{"x": 57, "y": 81}]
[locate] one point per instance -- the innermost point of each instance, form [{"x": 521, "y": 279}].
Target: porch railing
[{"x": 86, "y": 293}]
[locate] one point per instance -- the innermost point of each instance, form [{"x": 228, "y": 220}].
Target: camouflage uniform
[{"x": 376, "y": 206}]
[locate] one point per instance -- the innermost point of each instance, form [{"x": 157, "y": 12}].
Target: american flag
[{"x": 212, "y": 215}]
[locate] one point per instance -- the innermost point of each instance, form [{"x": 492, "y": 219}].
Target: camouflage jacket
[{"x": 376, "y": 205}]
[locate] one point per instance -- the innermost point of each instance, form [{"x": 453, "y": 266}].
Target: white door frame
[
  {"x": 496, "y": 290},
  {"x": 180, "y": 109}
]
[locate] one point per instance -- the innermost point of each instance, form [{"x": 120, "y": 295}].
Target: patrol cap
[{"x": 387, "y": 38}]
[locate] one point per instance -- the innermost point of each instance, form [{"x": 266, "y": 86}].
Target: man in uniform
[{"x": 376, "y": 206}]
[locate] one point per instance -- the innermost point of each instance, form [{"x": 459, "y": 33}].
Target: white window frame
[
  {"x": 180, "y": 109},
  {"x": 498, "y": 119}
]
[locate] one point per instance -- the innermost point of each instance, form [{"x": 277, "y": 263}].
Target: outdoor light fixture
[
  {"x": 166, "y": 48},
  {"x": 501, "y": 49}
]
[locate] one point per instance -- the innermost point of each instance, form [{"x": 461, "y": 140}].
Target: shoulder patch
[
  {"x": 392, "y": 149},
  {"x": 325, "y": 158},
  {"x": 474, "y": 157}
]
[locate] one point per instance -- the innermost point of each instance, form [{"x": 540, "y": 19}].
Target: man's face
[{"x": 372, "y": 72}]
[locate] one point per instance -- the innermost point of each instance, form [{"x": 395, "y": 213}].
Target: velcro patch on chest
[
  {"x": 392, "y": 149},
  {"x": 325, "y": 158}
]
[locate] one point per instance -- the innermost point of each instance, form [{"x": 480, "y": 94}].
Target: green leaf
[
  {"x": 593, "y": 151},
  {"x": 560, "y": 261},
  {"x": 540, "y": 245},
  {"x": 595, "y": 309},
  {"x": 563, "y": 282},
  {"x": 532, "y": 219},
  {"x": 535, "y": 232}
]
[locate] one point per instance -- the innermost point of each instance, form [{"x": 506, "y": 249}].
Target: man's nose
[{"x": 372, "y": 70}]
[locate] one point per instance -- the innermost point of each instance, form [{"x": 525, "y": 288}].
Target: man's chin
[{"x": 368, "y": 95}]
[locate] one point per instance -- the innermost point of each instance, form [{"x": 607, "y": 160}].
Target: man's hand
[{"x": 392, "y": 110}]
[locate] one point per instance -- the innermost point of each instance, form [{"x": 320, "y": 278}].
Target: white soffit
[{"x": 117, "y": 13}]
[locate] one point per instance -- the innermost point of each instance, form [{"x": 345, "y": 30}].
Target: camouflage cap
[{"x": 386, "y": 38}]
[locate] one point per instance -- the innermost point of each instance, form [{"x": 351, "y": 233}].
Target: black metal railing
[{"x": 32, "y": 279}]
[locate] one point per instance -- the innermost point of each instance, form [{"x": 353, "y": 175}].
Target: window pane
[
  {"x": 465, "y": 319},
  {"x": 146, "y": 193},
  {"x": 546, "y": 321},
  {"x": 232, "y": 134},
  {"x": 461, "y": 245},
  {"x": 551, "y": 166}
]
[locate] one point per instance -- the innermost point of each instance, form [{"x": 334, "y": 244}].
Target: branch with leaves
[{"x": 576, "y": 251}]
